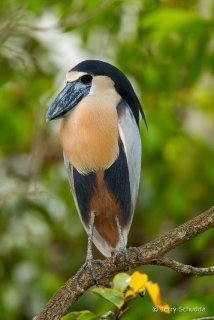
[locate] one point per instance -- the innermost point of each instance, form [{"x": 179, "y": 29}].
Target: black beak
[{"x": 67, "y": 99}]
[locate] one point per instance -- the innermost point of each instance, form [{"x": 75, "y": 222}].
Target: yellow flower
[{"x": 138, "y": 282}]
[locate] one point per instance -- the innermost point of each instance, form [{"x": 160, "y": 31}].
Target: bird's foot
[
  {"x": 89, "y": 264},
  {"x": 136, "y": 250},
  {"x": 124, "y": 252}
]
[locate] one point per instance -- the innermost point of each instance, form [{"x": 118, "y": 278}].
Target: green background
[{"x": 166, "y": 48}]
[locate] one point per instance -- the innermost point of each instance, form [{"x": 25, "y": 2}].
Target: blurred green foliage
[{"x": 166, "y": 49}]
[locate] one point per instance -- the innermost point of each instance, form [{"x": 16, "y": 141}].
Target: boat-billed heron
[{"x": 99, "y": 134}]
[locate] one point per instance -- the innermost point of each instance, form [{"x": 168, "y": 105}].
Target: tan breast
[{"x": 89, "y": 134}]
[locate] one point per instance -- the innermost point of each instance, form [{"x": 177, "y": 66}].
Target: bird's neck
[{"x": 89, "y": 134}]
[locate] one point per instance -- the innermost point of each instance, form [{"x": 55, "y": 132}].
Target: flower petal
[
  {"x": 138, "y": 281},
  {"x": 154, "y": 292}
]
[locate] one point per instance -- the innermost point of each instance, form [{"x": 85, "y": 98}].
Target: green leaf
[
  {"x": 71, "y": 316},
  {"x": 87, "y": 315},
  {"x": 82, "y": 315},
  {"x": 121, "y": 281},
  {"x": 112, "y": 295}
]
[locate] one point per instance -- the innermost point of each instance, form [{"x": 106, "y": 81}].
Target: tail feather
[{"x": 103, "y": 247}]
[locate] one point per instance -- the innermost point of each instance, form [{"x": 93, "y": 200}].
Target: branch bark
[
  {"x": 180, "y": 267},
  {"x": 152, "y": 253}
]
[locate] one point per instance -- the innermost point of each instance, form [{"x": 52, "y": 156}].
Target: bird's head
[{"x": 87, "y": 78}]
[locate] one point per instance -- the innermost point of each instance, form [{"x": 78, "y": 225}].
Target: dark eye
[{"x": 87, "y": 78}]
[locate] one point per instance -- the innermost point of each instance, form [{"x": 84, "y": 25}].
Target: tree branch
[
  {"x": 152, "y": 253},
  {"x": 180, "y": 267},
  {"x": 206, "y": 318}
]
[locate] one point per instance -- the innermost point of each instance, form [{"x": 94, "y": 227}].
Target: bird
[{"x": 99, "y": 134}]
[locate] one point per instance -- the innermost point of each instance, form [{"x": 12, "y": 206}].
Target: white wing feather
[{"x": 129, "y": 133}]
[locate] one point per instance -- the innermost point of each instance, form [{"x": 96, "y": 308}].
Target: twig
[
  {"x": 107, "y": 315},
  {"x": 122, "y": 312},
  {"x": 71, "y": 20},
  {"x": 206, "y": 318},
  {"x": 152, "y": 253},
  {"x": 180, "y": 267}
]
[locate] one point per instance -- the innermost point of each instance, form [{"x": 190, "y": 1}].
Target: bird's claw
[
  {"x": 126, "y": 256},
  {"x": 136, "y": 250},
  {"x": 89, "y": 264}
]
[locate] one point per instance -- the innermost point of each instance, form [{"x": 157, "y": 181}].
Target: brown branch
[
  {"x": 180, "y": 267},
  {"x": 205, "y": 318},
  {"x": 152, "y": 253}
]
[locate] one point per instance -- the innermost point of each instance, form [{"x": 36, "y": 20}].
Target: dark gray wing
[
  {"x": 97, "y": 239},
  {"x": 69, "y": 169}
]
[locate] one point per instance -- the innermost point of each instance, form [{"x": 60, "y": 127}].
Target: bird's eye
[{"x": 87, "y": 78}]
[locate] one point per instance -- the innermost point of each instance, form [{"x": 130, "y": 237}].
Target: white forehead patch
[{"x": 74, "y": 75}]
